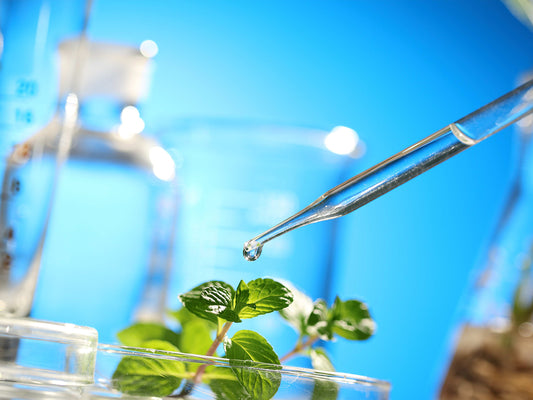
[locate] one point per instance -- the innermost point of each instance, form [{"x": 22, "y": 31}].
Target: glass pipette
[{"x": 405, "y": 165}]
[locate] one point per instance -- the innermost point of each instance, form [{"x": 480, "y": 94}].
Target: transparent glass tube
[{"x": 405, "y": 165}]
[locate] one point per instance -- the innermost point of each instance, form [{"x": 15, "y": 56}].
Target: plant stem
[
  {"x": 201, "y": 369},
  {"x": 211, "y": 350},
  {"x": 299, "y": 347}
]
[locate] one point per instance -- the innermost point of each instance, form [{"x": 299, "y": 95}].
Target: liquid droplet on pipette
[{"x": 252, "y": 250}]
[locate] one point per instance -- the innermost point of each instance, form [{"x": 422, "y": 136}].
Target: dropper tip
[{"x": 252, "y": 250}]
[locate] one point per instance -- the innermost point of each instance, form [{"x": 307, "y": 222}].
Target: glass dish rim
[{"x": 339, "y": 377}]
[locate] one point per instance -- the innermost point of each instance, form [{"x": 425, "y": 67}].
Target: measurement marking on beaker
[
  {"x": 26, "y": 87},
  {"x": 15, "y": 186}
]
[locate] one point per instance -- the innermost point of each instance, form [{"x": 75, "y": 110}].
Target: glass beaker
[
  {"x": 490, "y": 356},
  {"x": 31, "y": 31},
  {"x": 237, "y": 178},
  {"x": 114, "y": 212},
  {"x": 491, "y": 353}
]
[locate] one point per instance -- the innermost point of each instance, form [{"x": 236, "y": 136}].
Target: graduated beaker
[
  {"x": 29, "y": 107},
  {"x": 238, "y": 177},
  {"x": 114, "y": 209}
]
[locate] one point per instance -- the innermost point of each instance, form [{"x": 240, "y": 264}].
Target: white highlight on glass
[
  {"x": 131, "y": 122},
  {"x": 341, "y": 140},
  {"x": 149, "y": 48},
  {"x": 163, "y": 165}
]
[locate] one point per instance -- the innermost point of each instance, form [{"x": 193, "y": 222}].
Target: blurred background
[{"x": 236, "y": 98}]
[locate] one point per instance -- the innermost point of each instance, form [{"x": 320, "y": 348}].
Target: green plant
[
  {"x": 522, "y": 303},
  {"x": 210, "y": 309}
]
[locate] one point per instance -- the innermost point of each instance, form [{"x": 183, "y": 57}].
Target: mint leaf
[
  {"x": 319, "y": 321},
  {"x": 241, "y": 297},
  {"x": 265, "y": 296},
  {"x": 195, "y": 337},
  {"x": 259, "y": 384},
  {"x": 297, "y": 313},
  {"x": 143, "y": 376},
  {"x": 320, "y": 359},
  {"x": 351, "y": 320},
  {"x": 138, "y": 333},
  {"x": 211, "y": 300},
  {"x": 196, "y": 333},
  {"x": 225, "y": 385},
  {"x": 323, "y": 389},
  {"x": 184, "y": 316}
]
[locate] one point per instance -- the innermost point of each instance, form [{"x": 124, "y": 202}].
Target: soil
[{"x": 490, "y": 366}]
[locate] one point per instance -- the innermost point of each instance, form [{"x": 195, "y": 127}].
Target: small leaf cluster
[
  {"x": 217, "y": 300},
  {"x": 211, "y": 306},
  {"x": 315, "y": 321},
  {"x": 209, "y": 310},
  {"x": 349, "y": 319}
]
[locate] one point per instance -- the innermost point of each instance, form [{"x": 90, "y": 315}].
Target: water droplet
[{"x": 252, "y": 250}]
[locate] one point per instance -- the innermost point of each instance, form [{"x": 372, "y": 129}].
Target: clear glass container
[
  {"x": 46, "y": 352},
  {"x": 492, "y": 353},
  {"x": 237, "y": 178},
  {"x": 118, "y": 185},
  {"x": 32, "y": 111},
  {"x": 53, "y": 377}
]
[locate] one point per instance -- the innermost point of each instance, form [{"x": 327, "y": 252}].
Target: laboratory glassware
[
  {"x": 405, "y": 165},
  {"x": 48, "y": 352},
  {"x": 239, "y": 176},
  {"x": 119, "y": 186},
  {"x": 76, "y": 366},
  {"x": 30, "y": 108},
  {"x": 496, "y": 330}
]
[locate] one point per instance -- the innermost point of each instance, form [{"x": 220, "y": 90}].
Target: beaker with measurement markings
[
  {"x": 238, "y": 177},
  {"x": 107, "y": 253},
  {"x": 30, "y": 108}
]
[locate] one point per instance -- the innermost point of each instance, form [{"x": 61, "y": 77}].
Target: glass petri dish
[
  {"x": 48, "y": 360},
  {"x": 42, "y": 352},
  {"x": 292, "y": 382}
]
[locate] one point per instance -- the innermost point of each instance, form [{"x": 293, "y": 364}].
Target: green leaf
[
  {"x": 241, "y": 297},
  {"x": 138, "y": 333},
  {"x": 319, "y": 322},
  {"x": 225, "y": 385},
  {"x": 320, "y": 359},
  {"x": 265, "y": 296},
  {"x": 184, "y": 316},
  {"x": 211, "y": 300},
  {"x": 196, "y": 332},
  {"x": 351, "y": 320},
  {"x": 195, "y": 337},
  {"x": 144, "y": 376},
  {"x": 260, "y": 384},
  {"x": 297, "y": 313},
  {"x": 323, "y": 389},
  {"x": 522, "y": 304}
]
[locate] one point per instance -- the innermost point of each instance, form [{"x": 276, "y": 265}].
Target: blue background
[{"x": 395, "y": 71}]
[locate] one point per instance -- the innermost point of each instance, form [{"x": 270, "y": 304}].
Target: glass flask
[
  {"x": 33, "y": 113},
  {"x": 110, "y": 240},
  {"x": 493, "y": 347}
]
